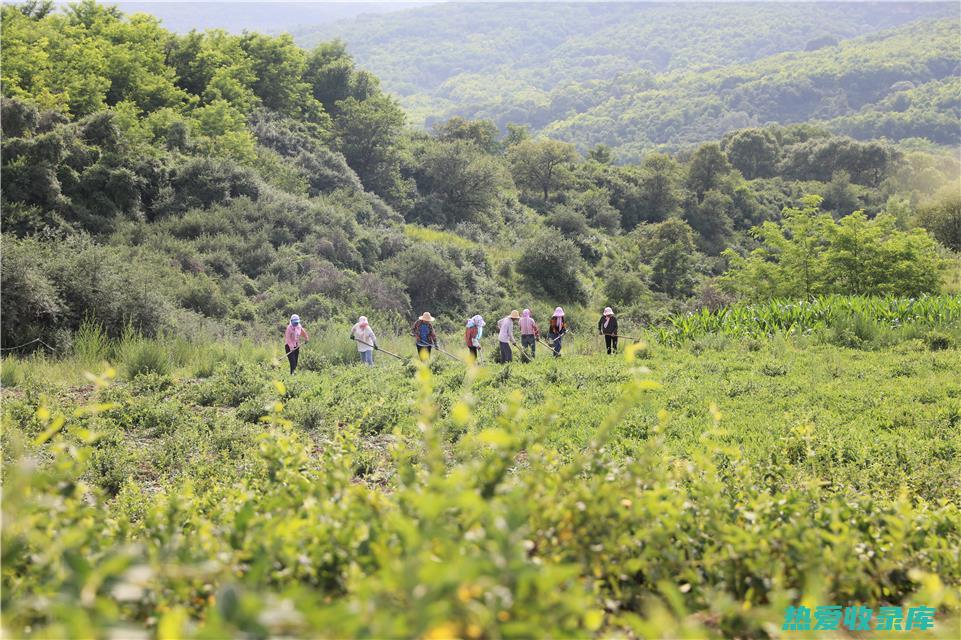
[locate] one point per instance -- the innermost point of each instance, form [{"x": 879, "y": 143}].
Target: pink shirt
[
  {"x": 527, "y": 326},
  {"x": 293, "y": 334}
]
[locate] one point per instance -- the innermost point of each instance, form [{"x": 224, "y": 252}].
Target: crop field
[
  {"x": 672, "y": 490},
  {"x": 853, "y": 319}
]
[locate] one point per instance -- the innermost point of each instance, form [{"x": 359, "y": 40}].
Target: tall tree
[
  {"x": 943, "y": 220},
  {"x": 541, "y": 165},
  {"x": 368, "y": 132},
  {"x": 460, "y": 181},
  {"x": 483, "y": 133},
  {"x": 711, "y": 218},
  {"x": 333, "y": 76},
  {"x": 278, "y": 67},
  {"x": 660, "y": 193},
  {"x": 708, "y": 166},
  {"x": 669, "y": 248},
  {"x": 601, "y": 154},
  {"x": 753, "y": 152},
  {"x": 839, "y": 194}
]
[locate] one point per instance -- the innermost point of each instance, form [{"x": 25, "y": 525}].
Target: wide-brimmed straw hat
[
  {"x": 608, "y": 311},
  {"x": 558, "y": 313},
  {"x": 426, "y": 317},
  {"x": 515, "y": 315}
]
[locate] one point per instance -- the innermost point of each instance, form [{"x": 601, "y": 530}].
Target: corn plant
[{"x": 806, "y": 316}]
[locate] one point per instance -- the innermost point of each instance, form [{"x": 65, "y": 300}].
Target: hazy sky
[{"x": 270, "y": 16}]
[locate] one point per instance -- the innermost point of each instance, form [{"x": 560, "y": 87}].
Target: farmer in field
[
  {"x": 472, "y": 336},
  {"x": 530, "y": 332},
  {"x": 424, "y": 336},
  {"x": 366, "y": 341},
  {"x": 607, "y": 327},
  {"x": 505, "y": 328},
  {"x": 556, "y": 331},
  {"x": 294, "y": 337}
]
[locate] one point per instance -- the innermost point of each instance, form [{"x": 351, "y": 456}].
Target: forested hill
[
  {"x": 209, "y": 183},
  {"x": 624, "y": 74}
]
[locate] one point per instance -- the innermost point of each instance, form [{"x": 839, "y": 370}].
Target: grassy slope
[
  {"x": 873, "y": 420},
  {"x": 887, "y": 416}
]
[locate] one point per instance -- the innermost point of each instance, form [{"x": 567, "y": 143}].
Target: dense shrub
[
  {"x": 622, "y": 287},
  {"x": 203, "y": 182},
  {"x": 430, "y": 278},
  {"x": 31, "y": 302},
  {"x": 51, "y": 287},
  {"x": 938, "y": 340},
  {"x": 550, "y": 263},
  {"x": 809, "y": 253},
  {"x": 943, "y": 220},
  {"x": 202, "y": 295}
]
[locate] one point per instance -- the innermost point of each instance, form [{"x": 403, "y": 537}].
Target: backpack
[{"x": 424, "y": 332}]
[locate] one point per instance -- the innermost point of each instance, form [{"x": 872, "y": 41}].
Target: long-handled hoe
[
  {"x": 550, "y": 344},
  {"x": 277, "y": 361},
  {"x": 376, "y": 348},
  {"x": 437, "y": 346},
  {"x": 614, "y": 335},
  {"x": 447, "y": 353},
  {"x": 522, "y": 353}
]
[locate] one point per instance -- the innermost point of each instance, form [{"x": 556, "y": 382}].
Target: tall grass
[
  {"x": 92, "y": 351},
  {"x": 91, "y": 343},
  {"x": 437, "y": 236},
  {"x": 145, "y": 356},
  {"x": 12, "y": 372},
  {"x": 952, "y": 276}
]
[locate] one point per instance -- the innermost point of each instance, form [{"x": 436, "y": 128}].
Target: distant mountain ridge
[
  {"x": 583, "y": 72},
  {"x": 839, "y": 82}
]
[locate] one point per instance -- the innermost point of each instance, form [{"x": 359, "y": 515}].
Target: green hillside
[
  {"x": 618, "y": 73},
  {"x": 778, "y": 428},
  {"x": 857, "y": 81},
  {"x": 219, "y": 181}
]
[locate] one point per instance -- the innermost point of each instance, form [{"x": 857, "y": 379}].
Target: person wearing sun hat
[
  {"x": 472, "y": 336},
  {"x": 294, "y": 337},
  {"x": 607, "y": 327},
  {"x": 366, "y": 340},
  {"x": 505, "y": 336},
  {"x": 424, "y": 336},
  {"x": 530, "y": 332},
  {"x": 556, "y": 330}
]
